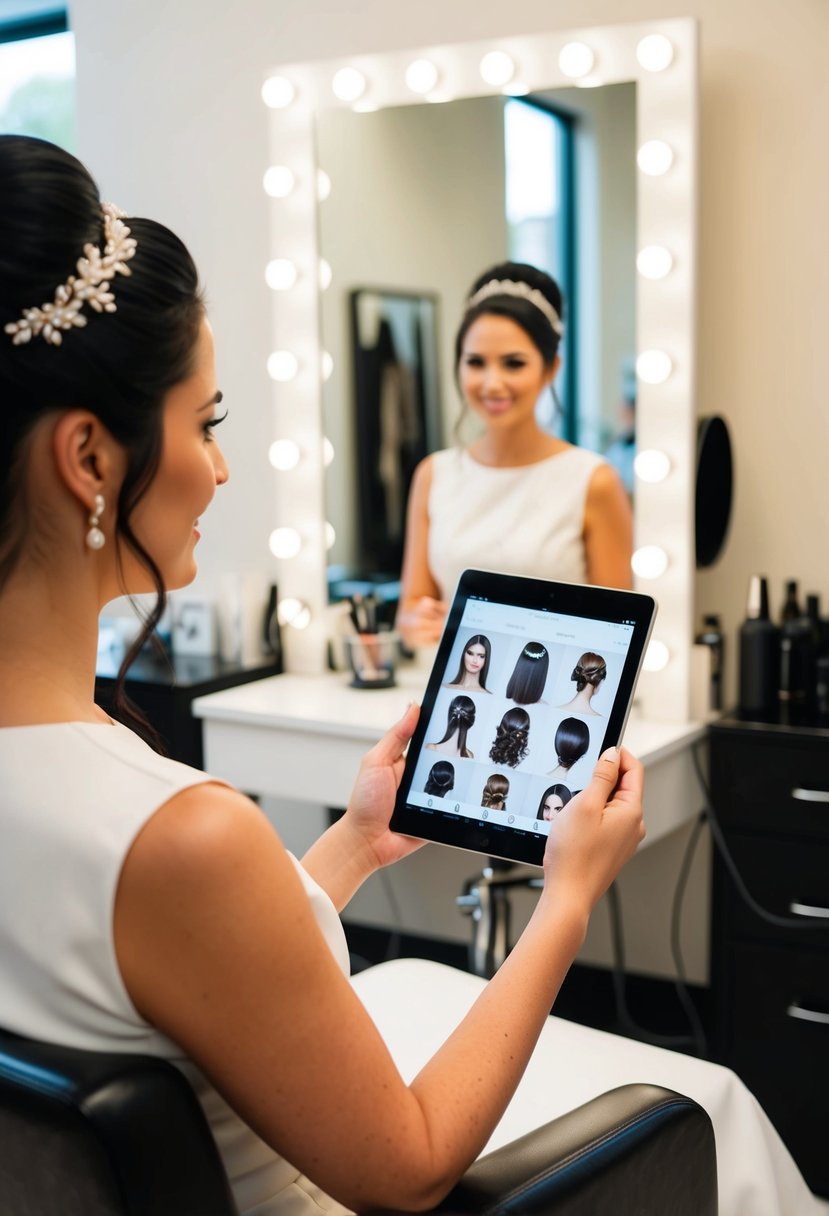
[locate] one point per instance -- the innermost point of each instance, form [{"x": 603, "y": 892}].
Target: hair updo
[
  {"x": 459, "y": 719},
  {"x": 441, "y": 778},
  {"x": 494, "y": 793},
  {"x": 511, "y": 736},
  {"x": 571, "y": 742},
  {"x": 120, "y": 365},
  {"x": 523, "y": 312},
  {"x": 590, "y": 669}
]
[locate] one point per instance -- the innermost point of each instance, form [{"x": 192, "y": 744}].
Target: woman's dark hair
[
  {"x": 441, "y": 778},
  {"x": 590, "y": 669},
  {"x": 511, "y": 735},
  {"x": 554, "y": 791},
  {"x": 526, "y": 684},
  {"x": 572, "y": 741},
  {"x": 119, "y": 365},
  {"x": 495, "y": 792},
  {"x": 478, "y": 640},
  {"x": 460, "y": 717},
  {"x": 532, "y": 320}
]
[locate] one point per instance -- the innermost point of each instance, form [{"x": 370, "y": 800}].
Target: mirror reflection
[{"x": 548, "y": 179}]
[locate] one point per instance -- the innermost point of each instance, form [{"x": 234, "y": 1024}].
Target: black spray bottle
[{"x": 759, "y": 652}]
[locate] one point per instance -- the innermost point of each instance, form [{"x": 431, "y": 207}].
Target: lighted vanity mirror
[
  {"x": 660, "y": 60},
  {"x": 550, "y": 179}
]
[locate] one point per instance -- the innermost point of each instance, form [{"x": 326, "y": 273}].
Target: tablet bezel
[{"x": 593, "y": 603}]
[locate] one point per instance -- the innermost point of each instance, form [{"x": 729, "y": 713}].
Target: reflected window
[
  {"x": 37, "y": 73},
  {"x": 539, "y": 207}
]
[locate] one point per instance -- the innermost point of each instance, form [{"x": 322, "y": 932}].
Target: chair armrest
[{"x": 638, "y": 1149}]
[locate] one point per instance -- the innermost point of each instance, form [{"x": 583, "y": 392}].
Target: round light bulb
[
  {"x": 280, "y": 274},
  {"x": 284, "y": 454},
  {"x": 279, "y": 181},
  {"x": 283, "y": 365},
  {"x": 326, "y": 365},
  {"x": 327, "y": 451},
  {"x": 422, "y": 76},
  {"x": 656, "y": 656},
  {"x": 291, "y": 611},
  {"x": 650, "y": 561},
  {"x": 348, "y": 84},
  {"x": 576, "y": 59},
  {"x": 323, "y": 185},
  {"x": 651, "y": 465},
  {"x": 497, "y": 68},
  {"x": 655, "y": 53},
  {"x": 324, "y": 274},
  {"x": 655, "y": 157},
  {"x": 284, "y": 542},
  {"x": 278, "y": 92},
  {"x": 654, "y": 366},
  {"x": 654, "y": 262},
  {"x": 330, "y": 535}
]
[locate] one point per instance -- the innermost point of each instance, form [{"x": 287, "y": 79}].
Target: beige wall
[{"x": 171, "y": 121}]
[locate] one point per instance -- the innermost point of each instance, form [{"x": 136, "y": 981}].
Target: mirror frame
[{"x": 667, "y": 212}]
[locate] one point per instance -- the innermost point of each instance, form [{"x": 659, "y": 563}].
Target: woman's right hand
[
  {"x": 598, "y": 831},
  {"x": 420, "y": 622}
]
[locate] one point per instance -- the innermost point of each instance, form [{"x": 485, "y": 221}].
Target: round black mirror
[{"x": 714, "y": 488}]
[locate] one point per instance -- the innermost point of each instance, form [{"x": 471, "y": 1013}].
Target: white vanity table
[{"x": 302, "y": 738}]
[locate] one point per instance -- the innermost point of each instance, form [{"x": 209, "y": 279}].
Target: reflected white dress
[{"x": 527, "y": 520}]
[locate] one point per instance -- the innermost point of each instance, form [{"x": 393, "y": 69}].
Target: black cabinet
[
  {"x": 164, "y": 689},
  {"x": 770, "y": 977}
]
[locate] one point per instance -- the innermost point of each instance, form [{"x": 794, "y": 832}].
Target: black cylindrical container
[{"x": 759, "y": 652}]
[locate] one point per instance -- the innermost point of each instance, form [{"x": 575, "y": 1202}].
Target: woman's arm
[
  {"x": 422, "y": 612},
  {"x": 608, "y": 531},
  {"x": 219, "y": 949}
]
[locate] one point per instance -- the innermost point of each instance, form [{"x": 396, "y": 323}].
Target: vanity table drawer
[
  {"x": 779, "y": 1044},
  {"x": 773, "y": 784},
  {"x": 786, "y": 879}
]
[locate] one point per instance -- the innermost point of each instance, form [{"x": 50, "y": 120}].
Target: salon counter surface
[{"x": 302, "y": 737}]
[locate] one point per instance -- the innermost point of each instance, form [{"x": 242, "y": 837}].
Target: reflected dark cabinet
[{"x": 770, "y": 977}]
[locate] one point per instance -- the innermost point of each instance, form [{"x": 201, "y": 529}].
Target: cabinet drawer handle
[
  {"x": 807, "y": 1015},
  {"x": 810, "y": 910},
  {"x": 810, "y": 795}
]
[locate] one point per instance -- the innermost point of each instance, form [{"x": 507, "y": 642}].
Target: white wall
[{"x": 170, "y": 120}]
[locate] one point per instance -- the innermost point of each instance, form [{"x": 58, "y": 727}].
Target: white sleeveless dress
[
  {"x": 527, "y": 520},
  {"x": 73, "y": 797}
]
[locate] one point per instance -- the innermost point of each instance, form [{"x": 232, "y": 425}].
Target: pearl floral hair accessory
[
  {"x": 89, "y": 285},
  {"x": 521, "y": 291},
  {"x": 535, "y": 654}
]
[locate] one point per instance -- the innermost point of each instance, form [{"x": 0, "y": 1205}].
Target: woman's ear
[
  {"x": 552, "y": 371},
  {"x": 87, "y": 459}
]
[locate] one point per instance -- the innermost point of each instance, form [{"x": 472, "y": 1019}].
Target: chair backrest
[{"x": 96, "y": 1134}]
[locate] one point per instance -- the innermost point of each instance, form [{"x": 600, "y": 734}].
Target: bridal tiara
[
  {"x": 89, "y": 285},
  {"x": 521, "y": 291}
]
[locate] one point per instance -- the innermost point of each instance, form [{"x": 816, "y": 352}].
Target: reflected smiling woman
[{"x": 517, "y": 499}]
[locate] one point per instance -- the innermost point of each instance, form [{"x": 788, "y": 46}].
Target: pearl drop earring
[{"x": 95, "y": 538}]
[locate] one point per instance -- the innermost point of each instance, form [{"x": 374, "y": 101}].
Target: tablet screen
[{"x": 531, "y": 682}]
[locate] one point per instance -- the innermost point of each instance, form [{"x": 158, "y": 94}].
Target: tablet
[{"x": 531, "y": 682}]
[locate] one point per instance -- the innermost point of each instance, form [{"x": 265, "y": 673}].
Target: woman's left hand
[{"x": 372, "y": 799}]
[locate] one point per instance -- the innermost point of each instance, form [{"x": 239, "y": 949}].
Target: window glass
[
  {"x": 37, "y": 87},
  {"x": 539, "y": 225}
]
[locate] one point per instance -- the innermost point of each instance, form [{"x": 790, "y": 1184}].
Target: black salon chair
[{"x": 93, "y": 1134}]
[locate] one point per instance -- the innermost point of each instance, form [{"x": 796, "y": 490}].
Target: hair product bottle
[
  {"x": 759, "y": 652},
  {"x": 791, "y": 607},
  {"x": 711, "y": 635}
]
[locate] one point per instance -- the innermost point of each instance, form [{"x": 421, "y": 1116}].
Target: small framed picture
[{"x": 194, "y": 626}]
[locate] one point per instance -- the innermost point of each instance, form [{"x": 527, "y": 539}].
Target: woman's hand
[
  {"x": 360, "y": 842},
  {"x": 598, "y": 831},
  {"x": 421, "y": 621},
  {"x": 372, "y": 799}
]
